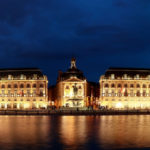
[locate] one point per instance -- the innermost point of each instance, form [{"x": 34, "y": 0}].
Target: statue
[{"x": 75, "y": 90}]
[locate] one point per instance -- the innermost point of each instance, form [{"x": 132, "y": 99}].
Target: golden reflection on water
[
  {"x": 74, "y": 132},
  {"x": 73, "y": 129},
  {"x": 125, "y": 131}
]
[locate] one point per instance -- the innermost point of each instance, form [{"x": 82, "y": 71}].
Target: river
[{"x": 74, "y": 132}]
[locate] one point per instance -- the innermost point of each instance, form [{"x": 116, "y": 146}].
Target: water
[{"x": 74, "y": 132}]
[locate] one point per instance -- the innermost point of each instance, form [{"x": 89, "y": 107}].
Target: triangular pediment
[{"x": 74, "y": 79}]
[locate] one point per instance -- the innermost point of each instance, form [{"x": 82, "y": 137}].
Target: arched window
[
  {"x": 34, "y": 85},
  {"x": 144, "y": 86},
  {"x": 138, "y": 86},
  {"x": 125, "y": 85},
  {"x": 9, "y": 86},
  {"x": 119, "y": 85},
  {"x": 28, "y": 86},
  {"x": 21, "y": 86},
  {"x": 144, "y": 93},
  {"x": 15, "y": 86},
  {"x": 125, "y": 93},
  {"x": 138, "y": 93},
  {"x": 131, "y": 86},
  {"x": 112, "y": 85},
  {"x": 3, "y": 86},
  {"x": 41, "y": 86},
  {"x": 106, "y": 85}
]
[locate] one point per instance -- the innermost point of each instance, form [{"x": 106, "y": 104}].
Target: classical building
[
  {"x": 23, "y": 89},
  {"x": 72, "y": 89},
  {"x": 125, "y": 88}
]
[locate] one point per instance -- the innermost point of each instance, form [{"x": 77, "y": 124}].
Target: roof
[
  {"x": 73, "y": 71},
  {"x": 18, "y": 71},
  {"x": 129, "y": 71}
]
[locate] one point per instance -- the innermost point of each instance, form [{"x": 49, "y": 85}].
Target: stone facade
[
  {"x": 72, "y": 89},
  {"x": 23, "y": 89},
  {"x": 125, "y": 88}
]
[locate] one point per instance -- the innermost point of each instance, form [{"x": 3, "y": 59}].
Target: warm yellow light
[
  {"x": 119, "y": 105},
  {"x": 27, "y": 105}
]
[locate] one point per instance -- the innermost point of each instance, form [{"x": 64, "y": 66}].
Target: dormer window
[
  {"x": 137, "y": 76},
  {"x": 9, "y": 77},
  {"x": 35, "y": 76},
  {"x": 21, "y": 76},
  {"x": 125, "y": 76},
  {"x": 112, "y": 76}
]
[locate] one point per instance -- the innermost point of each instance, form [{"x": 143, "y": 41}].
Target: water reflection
[{"x": 74, "y": 132}]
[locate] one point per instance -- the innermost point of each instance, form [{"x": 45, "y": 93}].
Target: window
[
  {"x": 119, "y": 85},
  {"x": 34, "y": 85},
  {"x": 131, "y": 93},
  {"x": 125, "y": 93},
  {"x": 9, "y": 93},
  {"x": 144, "y": 93},
  {"x": 106, "y": 85},
  {"x": 112, "y": 76},
  {"x": 138, "y": 86},
  {"x": 3, "y": 86},
  {"x": 28, "y": 86},
  {"x": 15, "y": 86},
  {"x": 9, "y": 86},
  {"x": 106, "y": 93},
  {"x": 119, "y": 93},
  {"x": 125, "y": 85},
  {"x": 41, "y": 92},
  {"x": 21, "y": 86},
  {"x": 15, "y": 93},
  {"x": 131, "y": 86},
  {"x": 138, "y": 93},
  {"x": 41, "y": 86},
  {"x": 112, "y": 85},
  {"x": 113, "y": 93},
  {"x": 28, "y": 92},
  {"x": 144, "y": 86},
  {"x": 34, "y": 92}
]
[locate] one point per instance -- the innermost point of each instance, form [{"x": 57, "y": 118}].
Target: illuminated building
[
  {"x": 125, "y": 88},
  {"x": 72, "y": 89},
  {"x": 23, "y": 89}
]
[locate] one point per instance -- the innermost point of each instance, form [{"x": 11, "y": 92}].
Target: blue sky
[{"x": 99, "y": 33}]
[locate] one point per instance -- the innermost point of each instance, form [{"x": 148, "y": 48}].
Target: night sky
[{"x": 99, "y": 33}]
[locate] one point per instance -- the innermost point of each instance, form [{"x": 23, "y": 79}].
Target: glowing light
[
  {"x": 27, "y": 105},
  {"x": 119, "y": 105}
]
